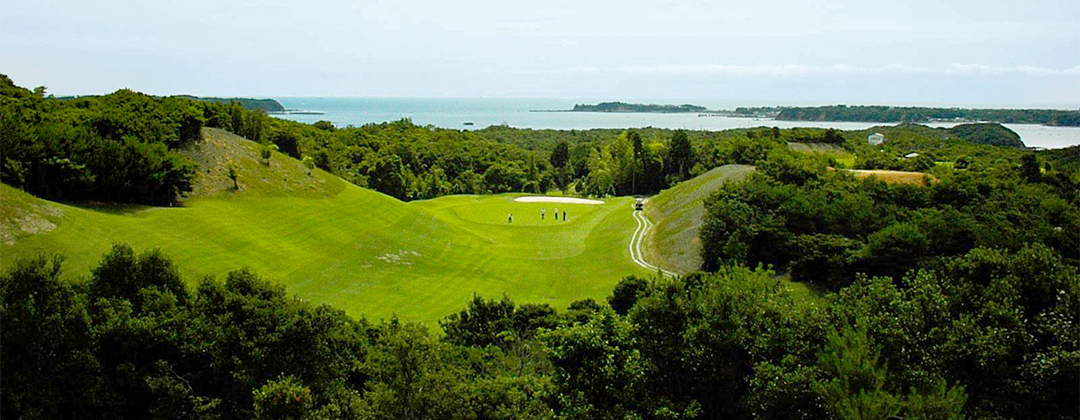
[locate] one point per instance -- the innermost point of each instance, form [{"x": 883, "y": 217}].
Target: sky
[{"x": 928, "y": 52}]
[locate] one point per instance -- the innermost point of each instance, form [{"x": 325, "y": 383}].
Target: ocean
[{"x": 518, "y": 112}]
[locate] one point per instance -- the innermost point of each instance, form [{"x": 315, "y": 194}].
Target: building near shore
[{"x": 875, "y": 139}]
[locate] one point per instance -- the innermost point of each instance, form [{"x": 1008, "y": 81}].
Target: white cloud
[
  {"x": 798, "y": 69},
  {"x": 1028, "y": 70}
]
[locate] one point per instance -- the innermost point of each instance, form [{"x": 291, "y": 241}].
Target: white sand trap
[{"x": 545, "y": 199}]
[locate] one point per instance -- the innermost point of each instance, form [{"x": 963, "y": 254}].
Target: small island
[{"x": 626, "y": 107}]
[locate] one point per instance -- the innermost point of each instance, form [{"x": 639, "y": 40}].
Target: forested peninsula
[
  {"x": 625, "y": 107},
  {"x": 266, "y": 105},
  {"x": 1064, "y": 118}
]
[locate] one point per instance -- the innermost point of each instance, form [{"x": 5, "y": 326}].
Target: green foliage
[
  {"x": 485, "y": 323},
  {"x": 1000, "y": 325},
  {"x": 123, "y": 275},
  {"x": 680, "y": 157},
  {"x": 265, "y": 153},
  {"x": 594, "y": 376},
  {"x": 855, "y": 389},
  {"x": 987, "y": 133},
  {"x": 232, "y": 176},
  {"x": 828, "y": 226},
  {"x": 118, "y": 147},
  {"x": 46, "y": 344},
  {"x": 283, "y": 399},
  {"x": 560, "y": 155},
  {"x": 626, "y": 294},
  {"x": 1029, "y": 168}
]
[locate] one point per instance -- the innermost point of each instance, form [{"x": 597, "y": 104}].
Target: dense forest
[
  {"x": 1069, "y": 118},
  {"x": 988, "y": 333},
  {"x": 625, "y": 107}
]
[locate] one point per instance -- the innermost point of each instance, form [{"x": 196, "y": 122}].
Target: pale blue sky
[{"x": 986, "y": 52}]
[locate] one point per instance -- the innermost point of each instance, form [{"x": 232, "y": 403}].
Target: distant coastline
[
  {"x": 1049, "y": 117},
  {"x": 843, "y": 113},
  {"x": 628, "y": 107},
  {"x": 266, "y": 105},
  {"x": 296, "y": 112}
]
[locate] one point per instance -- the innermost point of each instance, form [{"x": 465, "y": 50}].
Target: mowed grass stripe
[{"x": 359, "y": 250}]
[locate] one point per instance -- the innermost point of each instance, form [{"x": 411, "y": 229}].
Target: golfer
[
  {"x": 510, "y": 218},
  {"x": 541, "y": 214}
]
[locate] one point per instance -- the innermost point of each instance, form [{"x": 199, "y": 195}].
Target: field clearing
[
  {"x": 843, "y": 157},
  {"x": 895, "y": 177},
  {"x": 331, "y": 242}
]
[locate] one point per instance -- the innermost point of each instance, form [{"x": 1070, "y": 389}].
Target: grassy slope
[
  {"x": 673, "y": 242},
  {"x": 843, "y": 157},
  {"x": 332, "y": 242}
]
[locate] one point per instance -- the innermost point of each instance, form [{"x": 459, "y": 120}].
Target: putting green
[{"x": 358, "y": 250}]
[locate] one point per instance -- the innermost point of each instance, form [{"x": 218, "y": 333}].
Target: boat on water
[{"x": 468, "y": 123}]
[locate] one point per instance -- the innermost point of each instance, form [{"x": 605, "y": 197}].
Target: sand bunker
[{"x": 545, "y": 199}]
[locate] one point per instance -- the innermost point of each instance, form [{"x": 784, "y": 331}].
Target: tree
[
  {"x": 626, "y": 293},
  {"x": 680, "y": 156},
  {"x": 596, "y": 372},
  {"x": 832, "y": 136},
  {"x": 638, "y": 161},
  {"x": 283, "y": 399},
  {"x": 232, "y": 175},
  {"x": 855, "y": 388},
  {"x": 560, "y": 155},
  {"x": 1029, "y": 168},
  {"x": 45, "y": 344},
  {"x": 265, "y": 153}
]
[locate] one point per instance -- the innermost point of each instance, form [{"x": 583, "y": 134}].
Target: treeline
[
  {"x": 625, "y": 107},
  {"x": 918, "y": 114},
  {"x": 124, "y": 147},
  {"x": 987, "y": 334},
  {"x": 120, "y": 147},
  {"x": 410, "y": 162}
]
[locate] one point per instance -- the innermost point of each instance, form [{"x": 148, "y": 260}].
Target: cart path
[{"x": 635, "y": 242}]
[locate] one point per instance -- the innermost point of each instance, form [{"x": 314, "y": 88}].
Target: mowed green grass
[
  {"x": 331, "y": 242},
  {"x": 358, "y": 250}
]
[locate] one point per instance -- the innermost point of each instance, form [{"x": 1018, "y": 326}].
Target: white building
[
  {"x": 875, "y": 139},
  {"x": 911, "y": 155}
]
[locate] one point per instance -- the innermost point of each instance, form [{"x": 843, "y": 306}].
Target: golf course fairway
[{"x": 358, "y": 250}]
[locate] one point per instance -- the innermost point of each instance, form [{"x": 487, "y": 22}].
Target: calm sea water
[{"x": 454, "y": 113}]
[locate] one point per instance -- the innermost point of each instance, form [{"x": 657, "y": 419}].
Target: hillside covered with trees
[
  {"x": 1070, "y": 118},
  {"x": 626, "y": 107}
]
